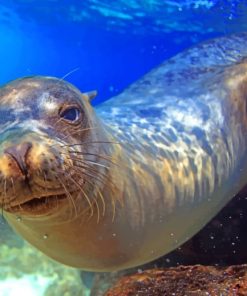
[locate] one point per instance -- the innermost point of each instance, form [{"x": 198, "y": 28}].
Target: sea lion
[{"x": 115, "y": 186}]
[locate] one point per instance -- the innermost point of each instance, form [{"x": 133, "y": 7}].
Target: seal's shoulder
[
  {"x": 221, "y": 51},
  {"x": 200, "y": 62},
  {"x": 193, "y": 73}
]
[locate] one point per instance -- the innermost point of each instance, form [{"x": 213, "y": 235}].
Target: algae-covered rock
[
  {"x": 184, "y": 280},
  {"x": 23, "y": 268}
]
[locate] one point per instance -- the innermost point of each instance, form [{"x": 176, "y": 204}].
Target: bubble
[
  {"x": 45, "y": 236},
  {"x": 18, "y": 219}
]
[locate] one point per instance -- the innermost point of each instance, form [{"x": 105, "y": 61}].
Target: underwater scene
[{"x": 123, "y": 151}]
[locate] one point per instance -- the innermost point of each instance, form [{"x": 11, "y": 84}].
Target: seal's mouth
[
  {"x": 40, "y": 204},
  {"x": 42, "y": 201}
]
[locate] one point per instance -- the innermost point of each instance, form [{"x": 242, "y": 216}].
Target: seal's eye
[{"x": 71, "y": 114}]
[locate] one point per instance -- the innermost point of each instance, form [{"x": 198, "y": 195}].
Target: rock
[{"x": 194, "y": 280}]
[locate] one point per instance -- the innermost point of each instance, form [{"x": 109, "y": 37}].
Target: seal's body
[{"x": 122, "y": 185}]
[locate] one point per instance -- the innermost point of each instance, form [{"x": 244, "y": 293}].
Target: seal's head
[{"x": 48, "y": 150}]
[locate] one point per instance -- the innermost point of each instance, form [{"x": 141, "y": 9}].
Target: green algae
[{"x": 22, "y": 265}]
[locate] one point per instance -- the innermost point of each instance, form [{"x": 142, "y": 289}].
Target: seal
[{"x": 121, "y": 184}]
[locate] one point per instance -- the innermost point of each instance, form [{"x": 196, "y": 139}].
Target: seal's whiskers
[
  {"x": 103, "y": 202},
  {"x": 46, "y": 191},
  {"x": 82, "y": 173},
  {"x": 101, "y": 177},
  {"x": 97, "y": 207},
  {"x": 89, "y": 161},
  {"x": 83, "y": 192},
  {"x": 78, "y": 131},
  {"x": 92, "y": 142},
  {"x": 105, "y": 157},
  {"x": 69, "y": 196},
  {"x": 69, "y": 73},
  {"x": 13, "y": 185}
]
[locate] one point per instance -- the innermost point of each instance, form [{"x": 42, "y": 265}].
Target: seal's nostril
[{"x": 19, "y": 153}]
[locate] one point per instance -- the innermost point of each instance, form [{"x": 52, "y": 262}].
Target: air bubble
[
  {"x": 18, "y": 219},
  {"x": 45, "y": 236}
]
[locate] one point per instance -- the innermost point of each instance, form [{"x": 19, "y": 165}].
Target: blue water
[
  {"x": 111, "y": 43},
  {"x": 105, "y": 44}
]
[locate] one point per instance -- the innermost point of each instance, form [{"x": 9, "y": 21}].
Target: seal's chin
[{"x": 40, "y": 205}]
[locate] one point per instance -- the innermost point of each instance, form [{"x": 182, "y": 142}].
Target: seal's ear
[{"x": 90, "y": 95}]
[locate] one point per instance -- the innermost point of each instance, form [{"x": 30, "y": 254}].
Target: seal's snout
[{"x": 19, "y": 154}]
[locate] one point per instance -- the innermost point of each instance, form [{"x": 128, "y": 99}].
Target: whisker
[
  {"x": 88, "y": 161},
  {"x": 101, "y": 178},
  {"x": 59, "y": 119},
  {"x": 96, "y": 201},
  {"x": 102, "y": 198},
  {"x": 105, "y": 157},
  {"x": 84, "y": 193},
  {"x": 69, "y": 196},
  {"x": 69, "y": 73},
  {"x": 93, "y": 186},
  {"x": 114, "y": 209},
  {"x": 103, "y": 202},
  {"x": 98, "y": 213},
  {"x": 96, "y": 163},
  {"x": 92, "y": 142},
  {"x": 79, "y": 131},
  {"x": 46, "y": 191},
  {"x": 45, "y": 179},
  {"x": 13, "y": 186}
]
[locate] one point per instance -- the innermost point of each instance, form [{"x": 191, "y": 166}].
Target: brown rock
[{"x": 194, "y": 280}]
